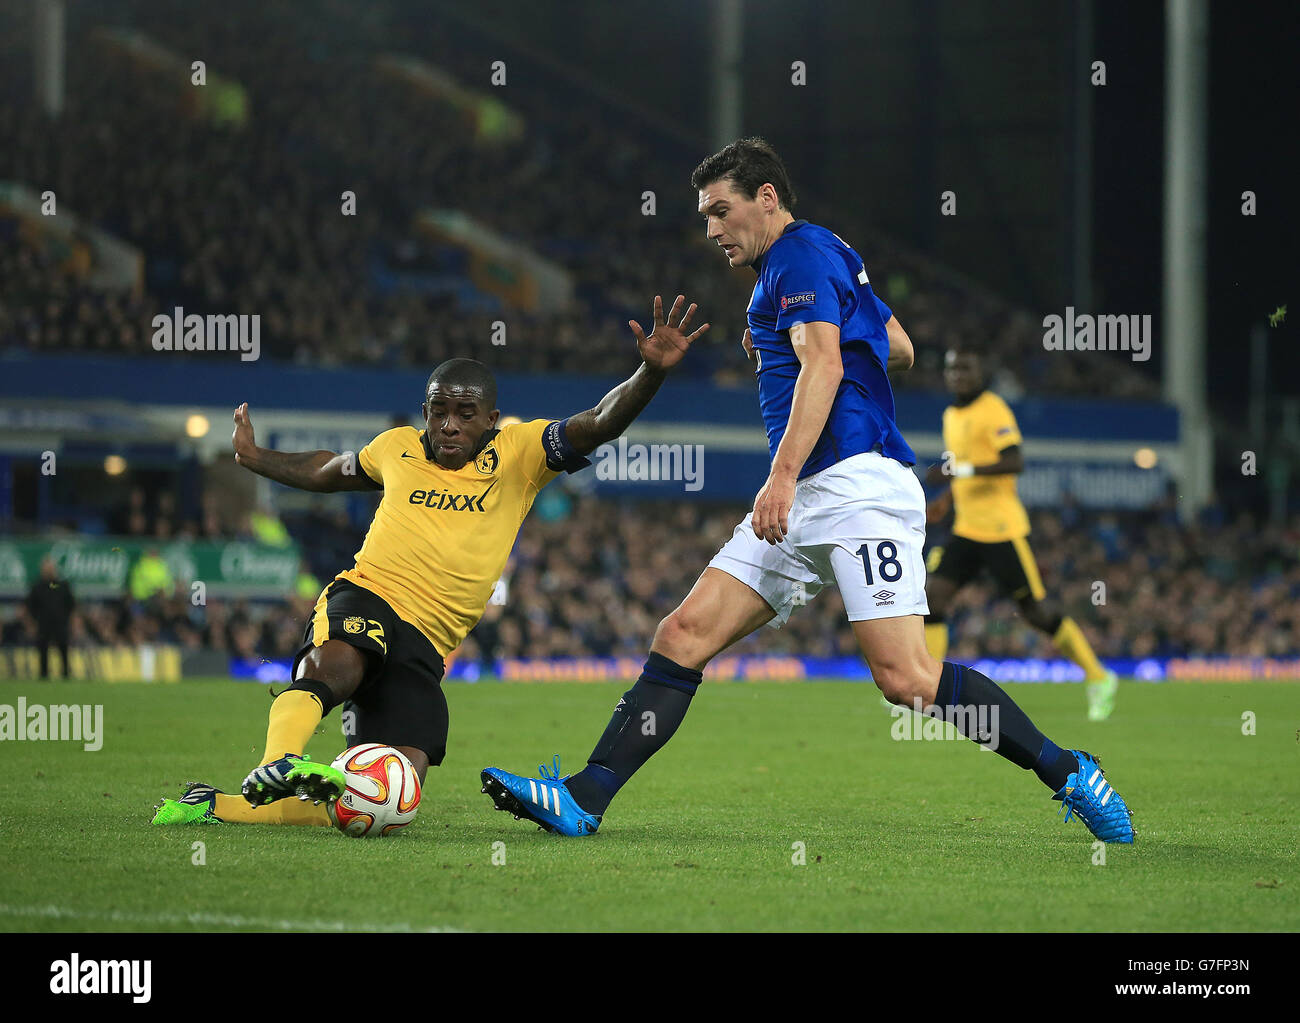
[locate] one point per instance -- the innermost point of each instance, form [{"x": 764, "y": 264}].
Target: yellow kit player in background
[
  {"x": 455, "y": 496},
  {"x": 991, "y": 530}
]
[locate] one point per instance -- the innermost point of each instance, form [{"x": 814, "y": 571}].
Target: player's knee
[
  {"x": 906, "y": 677},
  {"x": 338, "y": 666},
  {"x": 679, "y": 636},
  {"x": 421, "y": 760}
]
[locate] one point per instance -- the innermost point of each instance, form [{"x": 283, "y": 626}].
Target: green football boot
[
  {"x": 197, "y": 806},
  {"x": 1101, "y": 696},
  {"x": 293, "y": 775}
]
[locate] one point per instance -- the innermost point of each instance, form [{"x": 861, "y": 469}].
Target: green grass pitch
[{"x": 897, "y": 835}]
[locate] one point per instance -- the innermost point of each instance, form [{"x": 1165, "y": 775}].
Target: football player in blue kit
[{"x": 841, "y": 505}]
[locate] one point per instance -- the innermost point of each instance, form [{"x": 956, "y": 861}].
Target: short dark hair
[
  {"x": 465, "y": 373},
  {"x": 748, "y": 164}
]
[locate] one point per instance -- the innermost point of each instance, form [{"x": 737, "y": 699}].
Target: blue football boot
[
  {"x": 1089, "y": 796},
  {"x": 546, "y": 800}
]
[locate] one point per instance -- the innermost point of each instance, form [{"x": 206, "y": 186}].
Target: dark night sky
[
  {"x": 856, "y": 137},
  {"x": 1254, "y": 262}
]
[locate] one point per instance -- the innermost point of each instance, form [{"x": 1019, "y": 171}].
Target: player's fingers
[
  {"x": 659, "y": 310},
  {"x": 672, "y": 313},
  {"x": 685, "y": 320},
  {"x": 698, "y": 331},
  {"x": 636, "y": 330},
  {"x": 769, "y": 526}
]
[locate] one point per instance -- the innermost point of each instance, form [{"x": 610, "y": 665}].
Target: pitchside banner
[
  {"x": 852, "y": 669},
  {"x": 101, "y": 567},
  {"x": 149, "y": 663}
]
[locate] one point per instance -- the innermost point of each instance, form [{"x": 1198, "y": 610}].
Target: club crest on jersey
[
  {"x": 487, "y": 461},
  {"x": 354, "y": 624},
  {"x": 801, "y": 298}
]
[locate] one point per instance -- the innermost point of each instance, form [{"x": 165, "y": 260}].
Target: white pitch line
[{"x": 215, "y": 920}]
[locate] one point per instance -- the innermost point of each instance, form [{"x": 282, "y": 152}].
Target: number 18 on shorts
[{"x": 860, "y": 525}]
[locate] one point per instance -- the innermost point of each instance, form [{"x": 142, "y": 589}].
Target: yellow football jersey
[
  {"x": 988, "y": 507},
  {"x": 440, "y": 539}
]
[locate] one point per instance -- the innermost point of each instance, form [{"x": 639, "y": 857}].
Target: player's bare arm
[
  {"x": 323, "y": 472},
  {"x": 661, "y": 350},
  {"x": 901, "y": 354},
  {"x": 1011, "y": 462},
  {"x": 817, "y": 347}
]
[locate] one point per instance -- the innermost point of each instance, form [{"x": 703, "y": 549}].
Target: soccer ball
[{"x": 382, "y": 794}]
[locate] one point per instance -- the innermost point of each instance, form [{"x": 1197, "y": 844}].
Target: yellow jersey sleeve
[
  {"x": 1001, "y": 424},
  {"x": 541, "y": 451},
  {"x": 527, "y": 450},
  {"x": 372, "y": 457}
]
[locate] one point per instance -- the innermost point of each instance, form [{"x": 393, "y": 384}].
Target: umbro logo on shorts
[{"x": 884, "y": 598}]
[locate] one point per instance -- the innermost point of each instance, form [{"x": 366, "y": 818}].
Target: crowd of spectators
[
  {"x": 599, "y": 583},
  {"x": 597, "y": 580},
  {"x": 248, "y": 219},
  {"x": 245, "y": 630}
]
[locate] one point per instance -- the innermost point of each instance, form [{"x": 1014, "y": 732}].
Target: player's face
[
  {"x": 962, "y": 374},
  {"x": 736, "y": 224},
  {"x": 455, "y": 419}
]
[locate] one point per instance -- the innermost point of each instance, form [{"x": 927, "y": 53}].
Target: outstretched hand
[
  {"x": 668, "y": 340},
  {"x": 242, "y": 439}
]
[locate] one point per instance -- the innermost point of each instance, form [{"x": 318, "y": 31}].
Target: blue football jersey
[{"x": 807, "y": 275}]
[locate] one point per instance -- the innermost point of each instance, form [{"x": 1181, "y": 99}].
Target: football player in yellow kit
[
  {"x": 991, "y": 529},
  {"x": 455, "y": 496}
]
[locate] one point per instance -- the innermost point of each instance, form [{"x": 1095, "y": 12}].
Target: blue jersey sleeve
[
  {"x": 805, "y": 289},
  {"x": 886, "y": 314}
]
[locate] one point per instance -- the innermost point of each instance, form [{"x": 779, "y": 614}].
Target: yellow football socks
[
  {"x": 294, "y": 717},
  {"x": 1070, "y": 640},
  {"x": 936, "y": 639},
  {"x": 290, "y": 810}
]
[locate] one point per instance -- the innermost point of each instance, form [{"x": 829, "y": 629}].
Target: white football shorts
[{"x": 859, "y": 524}]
